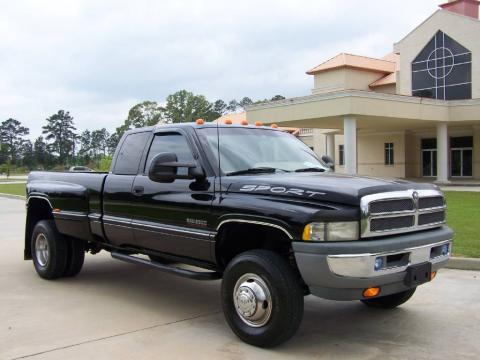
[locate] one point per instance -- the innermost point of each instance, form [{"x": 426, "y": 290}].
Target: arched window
[{"x": 442, "y": 70}]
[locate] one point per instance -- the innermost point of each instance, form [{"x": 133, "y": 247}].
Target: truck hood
[{"x": 325, "y": 187}]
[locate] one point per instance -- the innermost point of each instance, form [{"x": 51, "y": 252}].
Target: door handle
[{"x": 138, "y": 190}]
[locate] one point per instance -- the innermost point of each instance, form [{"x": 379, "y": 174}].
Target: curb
[
  {"x": 460, "y": 263},
  {"x": 11, "y": 196}
]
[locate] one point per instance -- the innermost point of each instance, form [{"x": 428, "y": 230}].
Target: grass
[
  {"x": 463, "y": 216},
  {"x": 13, "y": 189}
]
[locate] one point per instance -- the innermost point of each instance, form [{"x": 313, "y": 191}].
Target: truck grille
[{"x": 401, "y": 211}]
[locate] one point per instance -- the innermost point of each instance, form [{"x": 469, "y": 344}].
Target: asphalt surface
[{"x": 115, "y": 310}]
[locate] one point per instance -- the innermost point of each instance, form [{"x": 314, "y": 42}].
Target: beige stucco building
[{"x": 413, "y": 113}]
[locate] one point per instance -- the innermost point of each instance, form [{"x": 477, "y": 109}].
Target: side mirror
[
  {"x": 164, "y": 168},
  {"x": 329, "y": 162}
]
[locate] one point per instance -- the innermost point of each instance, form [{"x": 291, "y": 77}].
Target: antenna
[{"x": 219, "y": 168}]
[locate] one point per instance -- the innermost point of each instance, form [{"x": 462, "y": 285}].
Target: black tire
[
  {"x": 75, "y": 256},
  {"x": 390, "y": 301},
  {"x": 286, "y": 298},
  {"x": 53, "y": 266}
]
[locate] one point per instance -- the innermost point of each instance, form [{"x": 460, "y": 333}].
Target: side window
[
  {"x": 130, "y": 154},
  {"x": 341, "y": 155},
  {"x": 171, "y": 142}
]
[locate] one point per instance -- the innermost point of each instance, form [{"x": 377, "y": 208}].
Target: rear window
[{"x": 128, "y": 158}]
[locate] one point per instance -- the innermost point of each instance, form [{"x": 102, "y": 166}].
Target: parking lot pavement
[{"x": 115, "y": 310}]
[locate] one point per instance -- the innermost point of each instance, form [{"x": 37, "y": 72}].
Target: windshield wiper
[
  {"x": 256, "y": 170},
  {"x": 310, "y": 169}
]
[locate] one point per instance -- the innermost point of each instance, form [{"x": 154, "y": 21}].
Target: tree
[
  {"x": 11, "y": 136},
  {"x": 41, "y": 155},
  {"x": 99, "y": 142},
  {"x": 219, "y": 108},
  {"x": 233, "y": 106},
  {"x": 277, "y": 97},
  {"x": 184, "y": 106},
  {"x": 245, "y": 102},
  {"x": 28, "y": 155},
  {"x": 85, "y": 144},
  {"x": 61, "y": 131},
  {"x": 147, "y": 113}
]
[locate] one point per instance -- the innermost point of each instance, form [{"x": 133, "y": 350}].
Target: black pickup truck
[{"x": 251, "y": 205}]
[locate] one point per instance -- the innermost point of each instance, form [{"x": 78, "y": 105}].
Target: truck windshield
[{"x": 253, "y": 151}]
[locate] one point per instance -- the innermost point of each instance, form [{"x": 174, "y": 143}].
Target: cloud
[{"x": 98, "y": 58}]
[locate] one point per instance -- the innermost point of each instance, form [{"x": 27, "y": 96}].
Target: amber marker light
[
  {"x": 307, "y": 230},
  {"x": 258, "y": 123},
  {"x": 244, "y": 122},
  {"x": 371, "y": 292},
  {"x": 56, "y": 210},
  {"x": 275, "y": 126},
  {"x": 432, "y": 275},
  {"x": 199, "y": 121},
  {"x": 228, "y": 122}
]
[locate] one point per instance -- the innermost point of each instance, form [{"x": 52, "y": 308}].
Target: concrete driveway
[{"x": 115, "y": 310}]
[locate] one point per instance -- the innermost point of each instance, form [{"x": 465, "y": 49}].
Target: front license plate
[{"x": 418, "y": 274}]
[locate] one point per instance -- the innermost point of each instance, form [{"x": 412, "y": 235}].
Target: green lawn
[
  {"x": 13, "y": 189},
  {"x": 463, "y": 216}
]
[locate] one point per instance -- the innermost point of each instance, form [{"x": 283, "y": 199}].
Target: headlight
[{"x": 331, "y": 231}]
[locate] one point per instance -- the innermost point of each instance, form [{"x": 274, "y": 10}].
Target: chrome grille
[
  {"x": 401, "y": 211},
  {"x": 385, "y": 206},
  {"x": 389, "y": 223},
  {"x": 430, "y": 202},
  {"x": 431, "y": 218}
]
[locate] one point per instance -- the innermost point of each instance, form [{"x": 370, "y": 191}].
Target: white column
[
  {"x": 442, "y": 153},
  {"x": 350, "y": 144},
  {"x": 330, "y": 139}
]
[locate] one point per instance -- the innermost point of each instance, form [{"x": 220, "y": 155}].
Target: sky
[{"x": 98, "y": 58}]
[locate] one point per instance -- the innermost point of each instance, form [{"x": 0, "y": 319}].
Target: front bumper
[{"x": 342, "y": 270}]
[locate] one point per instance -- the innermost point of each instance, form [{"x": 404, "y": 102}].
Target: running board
[{"x": 196, "y": 275}]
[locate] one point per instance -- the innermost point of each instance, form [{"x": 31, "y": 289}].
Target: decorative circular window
[{"x": 442, "y": 70}]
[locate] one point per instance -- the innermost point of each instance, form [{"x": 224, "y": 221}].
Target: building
[{"x": 411, "y": 114}]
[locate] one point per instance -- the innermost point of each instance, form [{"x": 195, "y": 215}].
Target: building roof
[
  {"x": 351, "y": 61},
  {"x": 386, "y": 80}
]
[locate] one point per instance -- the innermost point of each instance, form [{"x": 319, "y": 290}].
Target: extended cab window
[
  {"x": 128, "y": 158},
  {"x": 173, "y": 143}
]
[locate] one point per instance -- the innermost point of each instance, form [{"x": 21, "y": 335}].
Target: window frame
[
  {"x": 389, "y": 154},
  {"x": 119, "y": 148},
  {"x": 341, "y": 154}
]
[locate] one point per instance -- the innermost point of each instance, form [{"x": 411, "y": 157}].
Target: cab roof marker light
[
  {"x": 258, "y": 123},
  {"x": 244, "y": 122},
  {"x": 199, "y": 121},
  {"x": 275, "y": 126},
  {"x": 227, "y": 122}
]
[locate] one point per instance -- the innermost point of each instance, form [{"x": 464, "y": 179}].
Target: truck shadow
[{"x": 328, "y": 326}]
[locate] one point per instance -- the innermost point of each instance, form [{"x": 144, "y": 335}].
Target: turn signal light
[
  {"x": 244, "y": 122},
  {"x": 274, "y": 126},
  {"x": 371, "y": 292},
  {"x": 432, "y": 275},
  {"x": 200, "y": 121},
  {"x": 56, "y": 210},
  {"x": 228, "y": 122},
  {"x": 258, "y": 123}
]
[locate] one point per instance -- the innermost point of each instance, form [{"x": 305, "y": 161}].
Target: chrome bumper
[{"x": 363, "y": 265}]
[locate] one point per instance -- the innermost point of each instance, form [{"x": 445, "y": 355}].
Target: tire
[
  {"x": 390, "y": 301},
  {"x": 75, "y": 257},
  {"x": 273, "y": 321},
  {"x": 51, "y": 258}
]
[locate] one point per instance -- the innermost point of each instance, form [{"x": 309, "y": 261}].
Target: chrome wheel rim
[
  {"x": 41, "y": 249},
  {"x": 252, "y": 300}
]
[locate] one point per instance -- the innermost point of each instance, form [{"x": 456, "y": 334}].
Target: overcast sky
[{"x": 99, "y": 58}]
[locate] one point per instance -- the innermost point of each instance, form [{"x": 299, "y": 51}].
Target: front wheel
[
  {"x": 390, "y": 301},
  {"x": 262, "y": 299}
]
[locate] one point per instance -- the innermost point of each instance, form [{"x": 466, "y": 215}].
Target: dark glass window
[
  {"x": 429, "y": 144},
  {"x": 442, "y": 70},
  {"x": 174, "y": 143},
  {"x": 461, "y": 142},
  {"x": 389, "y": 158},
  {"x": 341, "y": 155},
  {"x": 128, "y": 158}
]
